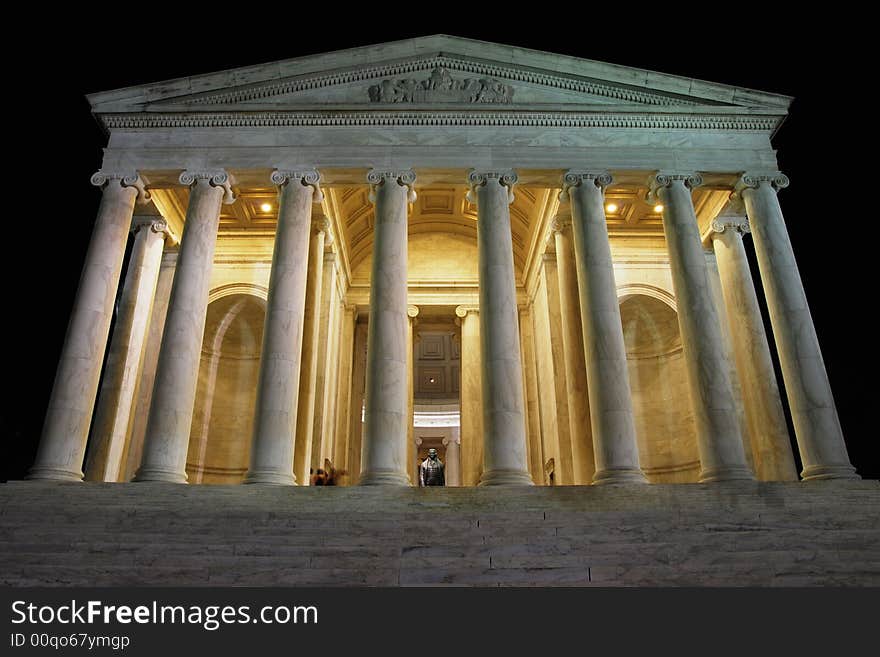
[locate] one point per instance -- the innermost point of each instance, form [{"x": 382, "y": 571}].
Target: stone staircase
[{"x": 742, "y": 534}]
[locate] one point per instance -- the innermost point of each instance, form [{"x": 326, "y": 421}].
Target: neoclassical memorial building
[{"x": 532, "y": 263}]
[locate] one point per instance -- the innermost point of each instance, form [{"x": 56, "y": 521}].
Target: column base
[
  {"x": 49, "y": 473},
  {"x": 384, "y": 478},
  {"x": 160, "y": 475},
  {"x": 270, "y": 477},
  {"x": 820, "y": 472},
  {"x": 619, "y": 476},
  {"x": 505, "y": 478},
  {"x": 730, "y": 473}
]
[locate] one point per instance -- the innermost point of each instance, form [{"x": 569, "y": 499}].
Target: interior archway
[
  {"x": 661, "y": 401},
  {"x": 220, "y": 439}
]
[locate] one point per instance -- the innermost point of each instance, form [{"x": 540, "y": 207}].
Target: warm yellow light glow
[
  {"x": 658, "y": 208},
  {"x": 611, "y": 207},
  {"x": 431, "y": 380},
  {"x": 266, "y": 207}
]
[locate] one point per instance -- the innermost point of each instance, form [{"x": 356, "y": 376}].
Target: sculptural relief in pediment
[{"x": 441, "y": 87}]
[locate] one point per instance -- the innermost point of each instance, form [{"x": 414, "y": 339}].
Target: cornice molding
[
  {"x": 423, "y": 64},
  {"x": 438, "y": 118}
]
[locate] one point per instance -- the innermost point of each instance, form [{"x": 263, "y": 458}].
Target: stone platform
[{"x": 743, "y": 534}]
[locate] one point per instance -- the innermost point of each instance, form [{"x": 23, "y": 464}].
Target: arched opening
[
  {"x": 661, "y": 401},
  {"x": 220, "y": 439}
]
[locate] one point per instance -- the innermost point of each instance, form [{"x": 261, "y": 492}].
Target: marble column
[
  {"x": 343, "y": 403},
  {"x": 305, "y": 414},
  {"x": 471, "y": 393},
  {"x": 278, "y": 387},
  {"x": 574, "y": 356},
  {"x": 719, "y": 435},
  {"x": 814, "y": 414},
  {"x": 504, "y": 423},
  {"x": 385, "y": 432},
  {"x": 118, "y": 385},
  {"x": 168, "y": 427},
  {"x": 530, "y": 383},
  {"x": 66, "y": 427},
  {"x": 615, "y": 449},
  {"x": 764, "y": 417},
  {"x": 453, "y": 459},
  {"x": 356, "y": 409},
  {"x": 411, "y": 455},
  {"x": 322, "y": 427},
  {"x": 134, "y": 448}
]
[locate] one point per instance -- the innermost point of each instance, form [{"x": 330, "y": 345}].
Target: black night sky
[{"x": 54, "y": 145}]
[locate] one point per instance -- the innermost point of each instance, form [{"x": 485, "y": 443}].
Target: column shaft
[
  {"x": 615, "y": 449},
  {"x": 765, "y": 419},
  {"x": 385, "y": 423},
  {"x": 116, "y": 399},
  {"x": 322, "y": 426},
  {"x": 411, "y": 454},
  {"x": 302, "y": 459},
  {"x": 134, "y": 447},
  {"x": 719, "y": 437},
  {"x": 343, "y": 404},
  {"x": 278, "y": 387},
  {"x": 453, "y": 459},
  {"x": 170, "y": 420},
  {"x": 814, "y": 414},
  {"x": 471, "y": 391},
  {"x": 66, "y": 427},
  {"x": 575, "y": 358},
  {"x": 504, "y": 429}
]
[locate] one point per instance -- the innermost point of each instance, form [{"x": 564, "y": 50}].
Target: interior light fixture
[
  {"x": 266, "y": 207},
  {"x": 611, "y": 207},
  {"x": 658, "y": 208}
]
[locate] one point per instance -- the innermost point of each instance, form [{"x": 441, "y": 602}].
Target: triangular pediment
[{"x": 438, "y": 72}]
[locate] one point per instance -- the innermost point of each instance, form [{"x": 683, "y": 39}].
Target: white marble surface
[
  {"x": 66, "y": 428},
  {"x": 814, "y": 414},
  {"x": 719, "y": 435},
  {"x": 302, "y": 460},
  {"x": 616, "y": 451},
  {"x": 119, "y": 383},
  {"x": 167, "y": 438},
  {"x": 387, "y": 405},
  {"x": 471, "y": 422},
  {"x": 504, "y": 447},
  {"x": 765, "y": 420},
  {"x": 583, "y": 460},
  {"x": 278, "y": 389}
]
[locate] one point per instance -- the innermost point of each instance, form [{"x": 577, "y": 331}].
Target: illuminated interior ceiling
[{"x": 443, "y": 208}]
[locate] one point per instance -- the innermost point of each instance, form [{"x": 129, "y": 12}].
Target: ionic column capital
[
  {"x": 123, "y": 179},
  {"x": 412, "y": 311},
  {"x": 462, "y": 311},
  {"x": 664, "y": 179},
  {"x": 306, "y": 177},
  {"x": 506, "y": 178},
  {"x": 559, "y": 224},
  {"x": 215, "y": 178},
  {"x": 403, "y": 177},
  {"x": 750, "y": 180},
  {"x": 322, "y": 225},
  {"x": 729, "y": 223},
  {"x": 155, "y": 224},
  {"x": 576, "y": 177},
  {"x": 451, "y": 441}
]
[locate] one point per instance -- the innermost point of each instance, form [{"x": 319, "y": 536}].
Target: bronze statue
[{"x": 431, "y": 470}]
